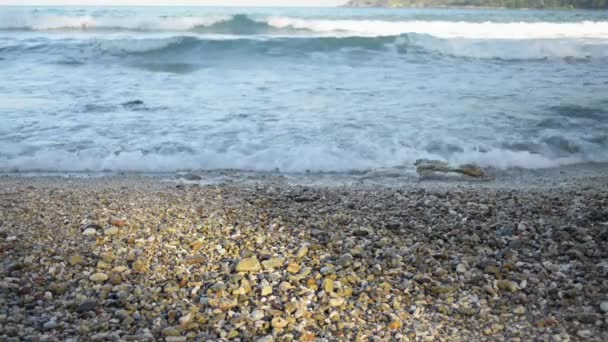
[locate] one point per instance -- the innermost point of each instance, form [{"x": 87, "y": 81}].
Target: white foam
[
  {"x": 139, "y": 23},
  {"x": 510, "y": 49},
  {"x": 286, "y": 159},
  {"x": 450, "y": 29},
  {"x": 441, "y": 29},
  {"x": 136, "y": 45}
]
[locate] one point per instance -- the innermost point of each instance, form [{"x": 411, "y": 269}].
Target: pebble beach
[{"x": 139, "y": 259}]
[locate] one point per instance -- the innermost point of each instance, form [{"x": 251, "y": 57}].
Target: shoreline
[
  {"x": 274, "y": 260},
  {"x": 566, "y": 176}
]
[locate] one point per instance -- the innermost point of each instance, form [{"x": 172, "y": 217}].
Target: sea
[{"x": 300, "y": 90}]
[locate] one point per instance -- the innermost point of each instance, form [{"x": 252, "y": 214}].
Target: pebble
[
  {"x": 176, "y": 338},
  {"x": 118, "y": 222},
  {"x": 257, "y": 315},
  {"x": 249, "y": 265},
  {"x": 266, "y": 290},
  {"x": 119, "y": 269},
  {"x": 604, "y": 307},
  {"x": 279, "y": 323},
  {"x": 461, "y": 268},
  {"x": 328, "y": 285},
  {"x": 170, "y": 331},
  {"x": 345, "y": 260},
  {"x": 50, "y": 325},
  {"x": 89, "y": 232},
  {"x": 293, "y": 268},
  {"x": 111, "y": 231},
  {"x": 336, "y": 301},
  {"x": 519, "y": 310},
  {"x": 507, "y": 285},
  {"x": 196, "y": 245},
  {"x": 87, "y": 306},
  {"x": 586, "y": 333},
  {"x": 76, "y": 260},
  {"x": 302, "y": 252},
  {"x": 98, "y": 277}
]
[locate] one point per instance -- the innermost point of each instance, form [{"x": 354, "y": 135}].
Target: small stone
[
  {"x": 128, "y": 321},
  {"x": 278, "y": 323},
  {"x": 507, "y": 285},
  {"x": 293, "y": 268},
  {"x": 257, "y": 315},
  {"x": 98, "y": 277},
  {"x": 48, "y": 296},
  {"x": 50, "y": 325},
  {"x": 89, "y": 232},
  {"x": 196, "y": 245},
  {"x": 586, "y": 317},
  {"x": 336, "y": 301},
  {"x": 604, "y": 307},
  {"x": 140, "y": 266},
  {"x": 102, "y": 265},
  {"x": 111, "y": 231},
  {"x": 185, "y": 320},
  {"x": 267, "y": 338},
  {"x": 585, "y": 334},
  {"x": 377, "y": 269},
  {"x": 461, "y": 268},
  {"x": 266, "y": 290},
  {"x": 176, "y": 338},
  {"x": 170, "y": 331},
  {"x": 119, "y": 269},
  {"x": 76, "y": 260},
  {"x": 272, "y": 263},
  {"x": 328, "y": 285},
  {"x": 118, "y": 222},
  {"x": 395, "y": 325},
  {"x": 86, "y": 306},
  {"x": 519, "y": 310},
  {"x": 496, "y": 328},
  {"x": 195, "y": 260},
  {"x": 302, "y": 252},
  {"x": 346, "y": 260},
  {"x": 249, "y": 265}
]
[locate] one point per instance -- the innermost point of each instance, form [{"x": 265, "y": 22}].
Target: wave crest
[
  {"x": 242, "y": 24},
  {"x": 404, "y": 44}
]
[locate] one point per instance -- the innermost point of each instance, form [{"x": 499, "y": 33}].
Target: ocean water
[{"x": 295, "y": 89}]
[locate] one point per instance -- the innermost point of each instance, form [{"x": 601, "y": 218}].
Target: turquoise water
[{"x": 299, "y": 89}]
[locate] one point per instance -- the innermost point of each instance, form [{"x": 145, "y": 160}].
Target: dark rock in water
[
  {"x": 192, "y": 177},
  {"x": 470, "y": 170},
  {"x": 135, "y": 104},
  {"x": 426, "y": 167}
]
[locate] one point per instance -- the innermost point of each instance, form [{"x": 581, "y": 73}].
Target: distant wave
[
  {"x": 193, "y": 48},
  {"x": 244, "y": 25}
]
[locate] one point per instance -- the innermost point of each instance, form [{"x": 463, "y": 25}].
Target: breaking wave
[
  {"x": 242, "y": 24},
  {"x": 294, "y": 159},
  {"x": 196, "y": 47}
]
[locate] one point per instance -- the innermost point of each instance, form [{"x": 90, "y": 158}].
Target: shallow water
[{"x": 332, "y": 90}]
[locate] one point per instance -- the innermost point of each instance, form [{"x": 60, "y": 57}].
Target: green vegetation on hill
[{"x": 590, "y": 4}]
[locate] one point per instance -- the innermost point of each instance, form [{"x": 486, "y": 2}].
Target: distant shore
[{"x": 147, "y": 258}]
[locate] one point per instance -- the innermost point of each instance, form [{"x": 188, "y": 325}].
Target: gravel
[{"x": 130, "y": 259}]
